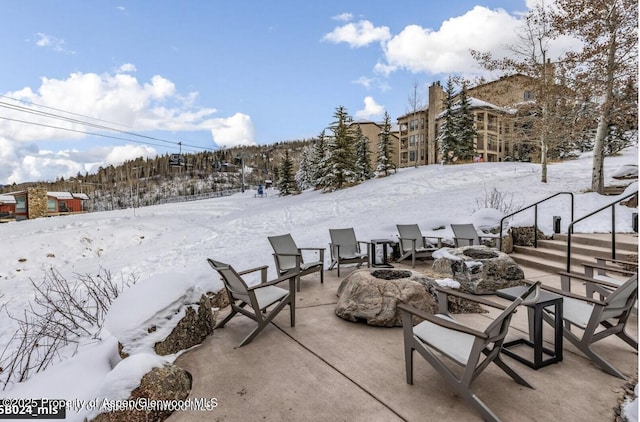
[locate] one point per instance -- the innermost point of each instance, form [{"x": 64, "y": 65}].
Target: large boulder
[
  {"x": 191, "y": 330},
  {"x": 164, "y": 314},
  {"x": 161, "y": 381},
  {"x": 478, "y": 269},
  {"x": 372, "y": 296},
  {"x": 525, "y": 236}
]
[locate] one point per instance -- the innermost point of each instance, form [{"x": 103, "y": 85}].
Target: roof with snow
[
  {"x": 7, "y": 199},
  {"x": 477, "y": 103},
  {"x": 60, "y": 195}
]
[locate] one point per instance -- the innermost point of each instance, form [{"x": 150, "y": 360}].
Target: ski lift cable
[
  {"x": 81, "y": 131},
  {"x": 56, "y": 116}
]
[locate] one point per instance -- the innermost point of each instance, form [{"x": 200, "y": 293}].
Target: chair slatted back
[
  {"x": 236, "y": 287},
  {"x": 409, "y": 232},
  {"x": 286, "y": 246},
  {"x": 465, "y": 235},
  {"x": 621, "y": 300},
  {"x": 346, "y": 239}
]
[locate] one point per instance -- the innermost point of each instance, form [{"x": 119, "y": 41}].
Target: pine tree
[
  {"x": 286, "y": 181},
  {"x": 304, "y": 173},
  {"x": 465, "y": 128},
  {"x": 339, "y": 162},
  {"x": 447, "y": 134},
  {"x": 363, "y": 157},
  {"x": 317, "y": 160},
  {"x": 385, "y": 148}
]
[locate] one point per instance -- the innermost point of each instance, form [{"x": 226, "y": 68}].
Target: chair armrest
[
  {"x": 572, "y": 295},
  {"x": 312, "y": 249},
  {"x": 424, "y": 238},
  {"x": 616, "y": 261},
  {"x": 472, "y": 298},
  {"x": 251, "y": 270},
  {"x": 590, "y": 269},
  {"x": 584, "y": 278},
  {"x": 288, "y": 276},
  {"x": 441, "y": 321}
]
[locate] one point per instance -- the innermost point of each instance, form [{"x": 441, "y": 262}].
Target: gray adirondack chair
[
  {"x": 346, "y": 249},
  {"x": 588, "y": 320},
  {"x": 443, "y": 342},
  {"x": 467, "y": 235},
  {"x": 413, "y": 244},
  {"x": 254, "y": 301},
  {"x": 289, "y": 257}
]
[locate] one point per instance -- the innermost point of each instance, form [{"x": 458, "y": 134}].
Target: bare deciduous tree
[
  {"x": 531, "y": 58},
  {"x": 606, "y": 66}
]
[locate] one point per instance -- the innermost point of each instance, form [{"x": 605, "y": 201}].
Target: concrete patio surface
[{"x": 329, "y": 369}]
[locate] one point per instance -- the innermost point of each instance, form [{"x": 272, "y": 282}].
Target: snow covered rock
[
  {"x": 137, "y": 382},
  {"x": 164, "y": 314},
  {"x": 478, "y": 269}
]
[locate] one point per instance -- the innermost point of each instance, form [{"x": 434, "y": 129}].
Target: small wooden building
[
  {"x": 7, "y": 208},
  {"x": 36, "y": 202}
]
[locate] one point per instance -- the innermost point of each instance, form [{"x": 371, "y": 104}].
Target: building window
[
  {"x": 492, "y": 123},
  {"x": 528, "y": 96},
  {"x": 412, "y": 156},
  {"x": 52, "y": 205},
  {"x": 21, "y": 203}
]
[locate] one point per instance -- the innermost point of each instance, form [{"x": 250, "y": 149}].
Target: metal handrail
[
  {"x": 613, "y": 227},
  {"x": 535, "y": 223}
]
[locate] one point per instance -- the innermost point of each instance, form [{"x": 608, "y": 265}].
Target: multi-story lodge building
[{"x": 493, "y": 106}]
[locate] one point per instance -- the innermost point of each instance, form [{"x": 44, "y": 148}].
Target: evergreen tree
[
  {"x": 286, "y": 181},
  {"x": 385, "y": 148},
  {"x": 447, "y": 134},
  {"x": 303, "y": 175},
  {"x": 465, "y": 128},
  {"x": 317, "y": 159},
  {"x": 339, "y": 162},
  {"x": 363, "y": 156}
]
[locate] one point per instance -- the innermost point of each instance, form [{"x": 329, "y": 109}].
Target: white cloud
[
  {"x": 122, "y": 153},
  {"x": 364, "y": 81},
  {"x": 372, "y": 110},
  {"x": 127, "y": 68},
  {"x": 49, "y": 41},
  {"x": 233, "y": 131},
  {"x": 344, "y": 17},
  {"x": 446, "y": 50},
  {"x": 119, "y": 98},
  {"x": 28, "y": 151},
  {"x": 358, "y": 34}
]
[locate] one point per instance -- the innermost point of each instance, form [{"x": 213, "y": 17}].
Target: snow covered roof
[
  {"x": 7, "y": 199},
  {"x": 80, "y": 195},
  {"x": 476, "y": 103},
  {"x": 60, "y": 195}
]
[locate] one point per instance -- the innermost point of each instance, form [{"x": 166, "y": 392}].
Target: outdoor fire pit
[
  {"x": 478, "y": 269},
  {"x": 391, "y": 274},
  {"x": 371, "y": 296}
]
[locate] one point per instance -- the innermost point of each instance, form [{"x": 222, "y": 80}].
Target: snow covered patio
[{"x": 326, "y": 368}]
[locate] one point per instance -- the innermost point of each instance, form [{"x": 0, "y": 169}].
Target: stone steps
[{"x": 551, "y": 255}]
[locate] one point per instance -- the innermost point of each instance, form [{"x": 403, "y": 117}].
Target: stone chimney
[{"x": 36, "y": 203}]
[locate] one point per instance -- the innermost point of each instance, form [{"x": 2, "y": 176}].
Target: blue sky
[{"x": 215, "y": 74}]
